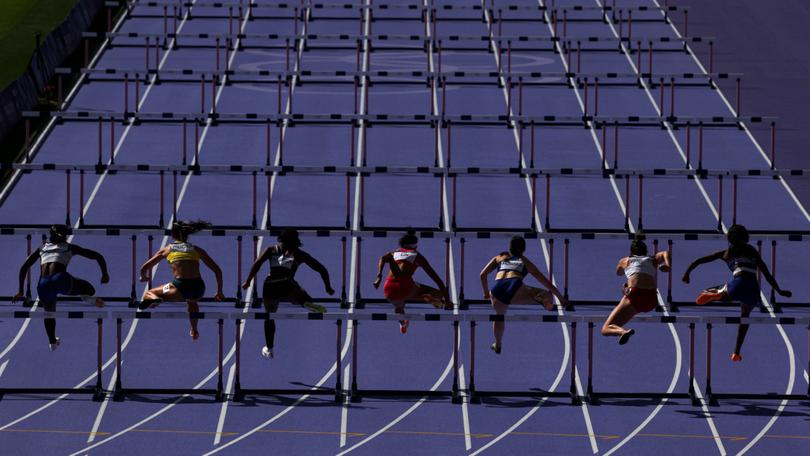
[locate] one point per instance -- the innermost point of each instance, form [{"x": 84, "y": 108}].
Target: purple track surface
[{"x": 159, "y": 353}]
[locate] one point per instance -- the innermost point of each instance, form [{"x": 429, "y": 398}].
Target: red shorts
[
  {"x": 398, "y": 288},
  {"x": 643, "y": 299}
]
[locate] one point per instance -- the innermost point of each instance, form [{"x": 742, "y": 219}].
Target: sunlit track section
[
  {"x": 660, "y": 108},
  {"x": 446, "y": 226}
]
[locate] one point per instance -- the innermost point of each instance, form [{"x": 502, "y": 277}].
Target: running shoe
[
  {"x": 626, "y": 337},
  {"x": 403, "y": 326},
  {"x": 736, "y": 358},
  {"x": 267, "y": 352},
  {"x": 317, "y": 308},
  {"x": 194, "y": 334},
  {"x": 496, "y": 348},
  {"x": 706, "y": 297},
  {"x": 55, "y": 345},
  {"x": 544, "y": 299}
]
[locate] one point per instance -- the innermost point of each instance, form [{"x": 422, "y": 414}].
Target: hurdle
[
  {"x": 119, "y": 392},
  {"x": 593, "y": 397},
  {"x": 713, "y": 397},
  {"x": 96, "y": 390},
  {"x": 239, "y": 392},
  {"x": 476, "y": 394}
]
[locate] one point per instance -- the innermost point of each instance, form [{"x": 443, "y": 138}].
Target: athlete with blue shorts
[
  {"x": 54, "y": 280},
  {"x": 744, "y": 261},
  {"x": 512, "y": 267},
  {"x": 188, "y": 285}
]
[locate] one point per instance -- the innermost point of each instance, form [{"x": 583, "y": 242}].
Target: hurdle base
[
  {"x": 98, "y": 394},
  {"x": 477, "y": 395},
  {"x": 714, "y": 398},
  {"x": 357, "y": 394},
  {"x": 594, "y": 398},
  {"x": 121, "y": 393},
  {"x": 240, "y": 393}
]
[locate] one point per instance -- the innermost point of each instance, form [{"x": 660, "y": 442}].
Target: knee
[
  {"x": 605, "y": 331},
  {"x": 193, "y": 306}
]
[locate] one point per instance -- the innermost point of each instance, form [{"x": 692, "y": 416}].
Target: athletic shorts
[
  {"x": 49, "y": 287},
  {"x": 745, "y": 289},
  {"x": 505, "y": 289},
  {"x": 398, "y": 288},
  {"x": 284, "y": 289},
  {"x": 643, "y": 299},
  {"x": 191, "y": 289}
]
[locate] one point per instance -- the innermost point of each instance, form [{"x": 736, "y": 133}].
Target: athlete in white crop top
[
  {"x": 54, "y": 280},
  {"x": 640, "y": 289}
]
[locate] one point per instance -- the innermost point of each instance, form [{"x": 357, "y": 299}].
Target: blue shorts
[
  {"x": 745, "y": 289},
  {"x": 191, "y": 289},
  {"x": 49, "y": 287},
  {"x": 504, "y": 289}
]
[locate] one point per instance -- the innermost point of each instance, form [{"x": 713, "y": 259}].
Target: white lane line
[
  {"x": 224, "y": 409},
  {"x": 20, "y": 332},
  {"x": 410, "y": 410},
  {"x": 707, "y": 413},
  {"x": 515, "y": 131},
  {"x": 344, "y": 413},
  {"x": 786, "y": 340},
  {"x": 465, "y": 413},
  {"x": 3, "y": 367}
]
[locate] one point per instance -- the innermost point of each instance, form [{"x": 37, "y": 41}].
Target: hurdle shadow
[
  {"x": 750, "y": 409},
  {"x": 190, "y": 400}
]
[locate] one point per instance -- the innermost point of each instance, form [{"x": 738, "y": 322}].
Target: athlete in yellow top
[{"x": 184, "y": 258}]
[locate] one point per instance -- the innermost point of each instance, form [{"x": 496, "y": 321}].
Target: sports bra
[
  {"x": 55, "y": 253},
  {"x": 639, "y": 265},
  {"x": 182, "y": 251},
  {"x": 742, "y": 264},
  {"x": 408, "y": 255},
  {"x": 513, "y": 264}
]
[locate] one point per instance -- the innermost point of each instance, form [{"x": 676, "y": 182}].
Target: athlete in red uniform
[
  {"x": 399, "y": 285},
  {"x": 640, "y": 290}
]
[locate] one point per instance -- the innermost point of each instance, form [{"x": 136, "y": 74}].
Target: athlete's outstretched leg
[
  {"x": 270, "y": 306},
  {"x": 532, "y": 295},
  {"x": 50, "y": 325},
  {"x": 614, "y": 325}
]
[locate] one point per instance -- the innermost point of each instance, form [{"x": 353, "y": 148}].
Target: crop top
[
  {"x": 513, "y": 264},
  {"x": 742, "y": 264},
  {"x": 182, "y": 251},
  {"x": 55, "y": 253},
  {"x": 639, "y": 265}
]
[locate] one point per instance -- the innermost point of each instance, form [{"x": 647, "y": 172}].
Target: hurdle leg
[
  {"x": 474, "y": 398},
  {"x": 220, "y": 396},
  {"x": 238, "y": 396},
  {"x": 355, "y": 394},
  {"x": 575, "y": 399},
  {"x": 711, "y": 400},
  {"x": 339, "y": 379},
  {"x": 692, "y": 392},
  {"x": 589, "y": 396},
  {"x": 118, "y": 391},
  {"x": 98, "y": 396},
  {"x": 456, "y": 393}
]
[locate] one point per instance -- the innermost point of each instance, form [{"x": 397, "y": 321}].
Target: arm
[
  {"x": 151, "y": 262},
  {"x": 423, "y": 263},
  {"x": 664, "y": 261},
  {"x": 214, "y": 267},
  {"x": 544, "y": 281},
  {"x": 493, "y": 263},
  {"x": 770, "y": 279},
  {"x": 316, "y": 266},
  {"x": 93, "y": 255},
  {"x": 702, "y": 260},
  {"x": 254, "y": 269},
  {"x": 620, "y": 267},
  {"x": 388, "y": 259},
  {"x": 23, "y": 271}
]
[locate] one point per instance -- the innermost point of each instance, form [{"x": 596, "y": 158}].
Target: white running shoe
[
  {"x": 55, "y": 345},
  {"x": 267, "y": 352}
]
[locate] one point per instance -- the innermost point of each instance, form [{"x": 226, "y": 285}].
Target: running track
[{"x": 160, "y": 354}]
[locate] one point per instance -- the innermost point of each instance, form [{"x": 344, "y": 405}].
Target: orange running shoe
[
  {"x": 706, "y": 297},
  {"x": 736, "y": 357},
  {"x": 403, "y": 326}
]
